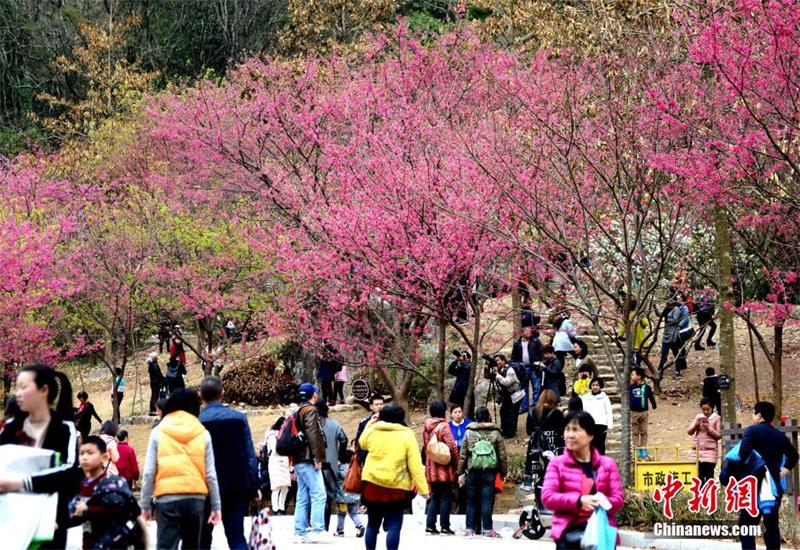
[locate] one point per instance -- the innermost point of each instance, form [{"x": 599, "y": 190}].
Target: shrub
[
  {"x": 516, "y": 467},
  {"x": 640, "y": 511},
  {"x": 258, "y": 382}
]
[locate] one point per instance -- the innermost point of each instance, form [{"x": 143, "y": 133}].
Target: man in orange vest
[{"x": 179, "y": 471}]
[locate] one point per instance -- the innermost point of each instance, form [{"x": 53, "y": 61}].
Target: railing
[{"x": 732, "y": 434}]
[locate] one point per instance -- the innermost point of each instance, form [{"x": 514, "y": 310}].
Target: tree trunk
[
  {"x": 198, "y": 325},
  {"x": 727, "y": 355},
  {"x": 753, "y": 361},
  {"x": 442, "y": 359},
  {"x": 469, "y": 399},
  {"x": 777, "y": 372},
  {"x": 516, "y": 310},
  {"x": 625, "y": 412}
]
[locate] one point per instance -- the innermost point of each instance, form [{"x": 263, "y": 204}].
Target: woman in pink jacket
[
  {"x": 705, "y": 427},
  {"x": 574, "y": 480}
]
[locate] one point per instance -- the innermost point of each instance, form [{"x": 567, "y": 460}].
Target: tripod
[{"x": 491, "y": 395}]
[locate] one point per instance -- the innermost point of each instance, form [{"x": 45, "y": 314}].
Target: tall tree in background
[
  {"x": 575, "y": 192},
  {"x": 348, "y": 165},
  {"x": 112, "y": 84},
  {"x": 744, "y": 73}
]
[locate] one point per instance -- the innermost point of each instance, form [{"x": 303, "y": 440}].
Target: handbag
[
  {"x": 498, "y": 483},
  {"x": 352, "y": 481},
  {"x": 261, "y": 532},
  {"x": 437, "y": 450}
]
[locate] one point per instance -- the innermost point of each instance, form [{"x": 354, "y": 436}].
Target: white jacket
[
  {"x": 599, "y": 406},
  {"x": 511, "y": 384},
  {"x": 561, "y": 339}
]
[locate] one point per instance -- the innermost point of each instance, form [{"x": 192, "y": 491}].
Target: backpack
[
  {"x": 522, "y": 374},
  {"x": 291, "y": 440},
  {"x": 263, "y": 471},
  {"x": 438, "y": 451},
  {"x": 542, "y": 440},
  {"x": 113, "y": 494},
  {"x": 173, "y": 369},
  {"x": 482, "y": 455}
]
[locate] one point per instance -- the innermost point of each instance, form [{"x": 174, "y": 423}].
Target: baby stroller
[{"x": 534, "y": 520}]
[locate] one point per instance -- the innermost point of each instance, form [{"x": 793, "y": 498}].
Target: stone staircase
[{"x": 613, "y": 441}]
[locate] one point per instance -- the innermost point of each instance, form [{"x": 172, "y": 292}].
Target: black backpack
[
  {"x": 114, "y": 495},
  {"x": 291, "y": 439},
  {"x": 264, "y": 483},
  {"x": 174, "y": 369},
  {"x": 522, "y": 374}
]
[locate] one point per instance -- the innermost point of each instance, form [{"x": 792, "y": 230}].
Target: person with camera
[
  {"x": 552, "y": 371},
  {"x": 511, "y": 394},
  {"x": 528, "y": 350},
  {"x": 461, "y": 368}
]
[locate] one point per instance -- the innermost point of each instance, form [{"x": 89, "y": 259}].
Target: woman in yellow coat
[{"x": 392, "y": 472}]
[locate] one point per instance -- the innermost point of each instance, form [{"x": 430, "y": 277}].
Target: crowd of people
[{"x": 201, "y": 467}]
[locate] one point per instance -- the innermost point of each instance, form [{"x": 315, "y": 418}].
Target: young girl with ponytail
[{"x": 44, "y": 397}]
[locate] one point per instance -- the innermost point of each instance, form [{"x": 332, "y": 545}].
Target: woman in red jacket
[
  {"x": 575, "y": 479},
  {"x": 441, "y": 477}
]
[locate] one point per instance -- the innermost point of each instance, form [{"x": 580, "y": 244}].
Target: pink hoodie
[
  {"x": 562, "y": 489},
  {"x": 706, "y": 437}
]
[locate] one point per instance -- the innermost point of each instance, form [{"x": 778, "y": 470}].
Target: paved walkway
[{"x": 413, "y": 537}]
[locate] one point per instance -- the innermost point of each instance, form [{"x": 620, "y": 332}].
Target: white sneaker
[
  {"x": 320, "y": 537},
  {"x": 300, "y": 539}
]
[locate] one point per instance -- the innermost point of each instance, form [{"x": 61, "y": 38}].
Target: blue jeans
[
  {"x": 352, "y": 510},
  {"x": 310, "y": 494},
  {"x": 441, "y": 500},
  {"x": 390, "y": 514},
  {"x": 480, "y": 500},
  {"x": 535, "y": 381}
]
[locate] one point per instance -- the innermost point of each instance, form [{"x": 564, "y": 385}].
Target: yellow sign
[{"x": 652, "y": 467}]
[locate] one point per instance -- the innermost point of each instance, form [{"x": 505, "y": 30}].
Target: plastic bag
[
  {"x": 418, "y": 506},
  {"x": 599, "y": 534}
]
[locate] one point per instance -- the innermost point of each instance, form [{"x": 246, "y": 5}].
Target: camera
[{"x": 489, "y": 369}]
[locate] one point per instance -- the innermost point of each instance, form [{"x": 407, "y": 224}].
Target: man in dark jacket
[
  {"x": 552, "y": 371},
  {"x": 528, "y": 350},
  {"x": 780, "y": 457},
  {"x": 328, "y": 364},
  {"x": 375, "y": 405},
  {"x": 156, "y": 380},
  {"x": 234, "y": 459},
  {"x": 308, "y": 470},
  {"x": 461, "y": 368}
]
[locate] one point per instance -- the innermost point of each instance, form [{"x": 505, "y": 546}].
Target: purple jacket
[{"x": 562, "y": 490}]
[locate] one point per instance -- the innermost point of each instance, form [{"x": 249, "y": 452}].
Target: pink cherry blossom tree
[
  {"x": 343, "y": 167},
  {"x": 741, "y": 158}
]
